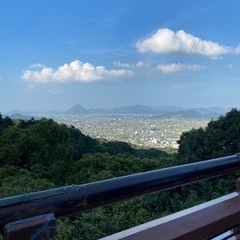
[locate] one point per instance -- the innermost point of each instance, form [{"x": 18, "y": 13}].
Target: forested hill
[
  {"x": 62, "y": 155},
  {"x": 37, "y": 145},
  {"x": 42, "y": 154}
]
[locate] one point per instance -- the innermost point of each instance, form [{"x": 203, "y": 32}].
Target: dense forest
[{"x": 42, "y": 154}]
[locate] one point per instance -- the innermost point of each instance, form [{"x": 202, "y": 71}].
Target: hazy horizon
[
  {"x": 167, "y": 107},
  {"x": 110, "y": 53}
]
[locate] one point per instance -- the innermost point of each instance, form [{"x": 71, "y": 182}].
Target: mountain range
[
  {"x": 161, "y": 111},
  {"x": 164, "y": 111}
]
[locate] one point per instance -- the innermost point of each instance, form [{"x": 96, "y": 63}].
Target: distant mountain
[
  {"x": 135, "y": 109},
  {"x": 165, "y": 111},
  {"x": 210, "y": 110},
  {"x": 29, "y": 113},
  {"x": 190, "y": 114},
  {"x": 17, "y": 114},
  {"x": 21, "y": 116},
  {"x": 77, "y": 109}
]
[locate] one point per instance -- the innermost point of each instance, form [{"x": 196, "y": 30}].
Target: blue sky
[{"x": 110, "y": 53}]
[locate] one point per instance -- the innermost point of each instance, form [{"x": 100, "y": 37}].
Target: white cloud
[
  {"x": 178, "y": 67},
  {"x": 76, "y": 71},
  {"x": 37, "y": 65},
  {"x": 140, "y": 64},
  {"x": 166, "y": 41},
  {"x": 123, "y": 65}
]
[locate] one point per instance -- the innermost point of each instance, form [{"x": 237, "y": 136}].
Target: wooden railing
[
  {"x": 32, "y": 216},
  {"x": 216, "y": 219}
]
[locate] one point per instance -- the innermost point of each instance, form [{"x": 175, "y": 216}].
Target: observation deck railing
[{"x": 32, "y": 216}]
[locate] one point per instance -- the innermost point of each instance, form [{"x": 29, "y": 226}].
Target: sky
[{"x": 55, "y": 54}]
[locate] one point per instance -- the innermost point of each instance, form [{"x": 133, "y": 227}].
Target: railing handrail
[{"x": 77, "y": 198}]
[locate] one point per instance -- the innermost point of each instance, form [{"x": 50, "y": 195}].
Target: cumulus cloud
[
  {"x": 166, "y": 41},
  {"x": 140, "y": 64},
  {"x": 76, "y": 71},
  {"x": 178, "y": 67}
]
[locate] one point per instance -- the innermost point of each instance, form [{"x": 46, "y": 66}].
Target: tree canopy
[
  {"x": 220, "y": 138},
  {"x": 42, "y": 154}
]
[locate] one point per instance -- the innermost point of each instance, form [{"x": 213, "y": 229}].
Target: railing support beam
[{"x": 33, "y": 228}]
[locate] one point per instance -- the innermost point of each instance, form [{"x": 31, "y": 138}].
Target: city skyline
[{"x": 109, "y": 53}]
